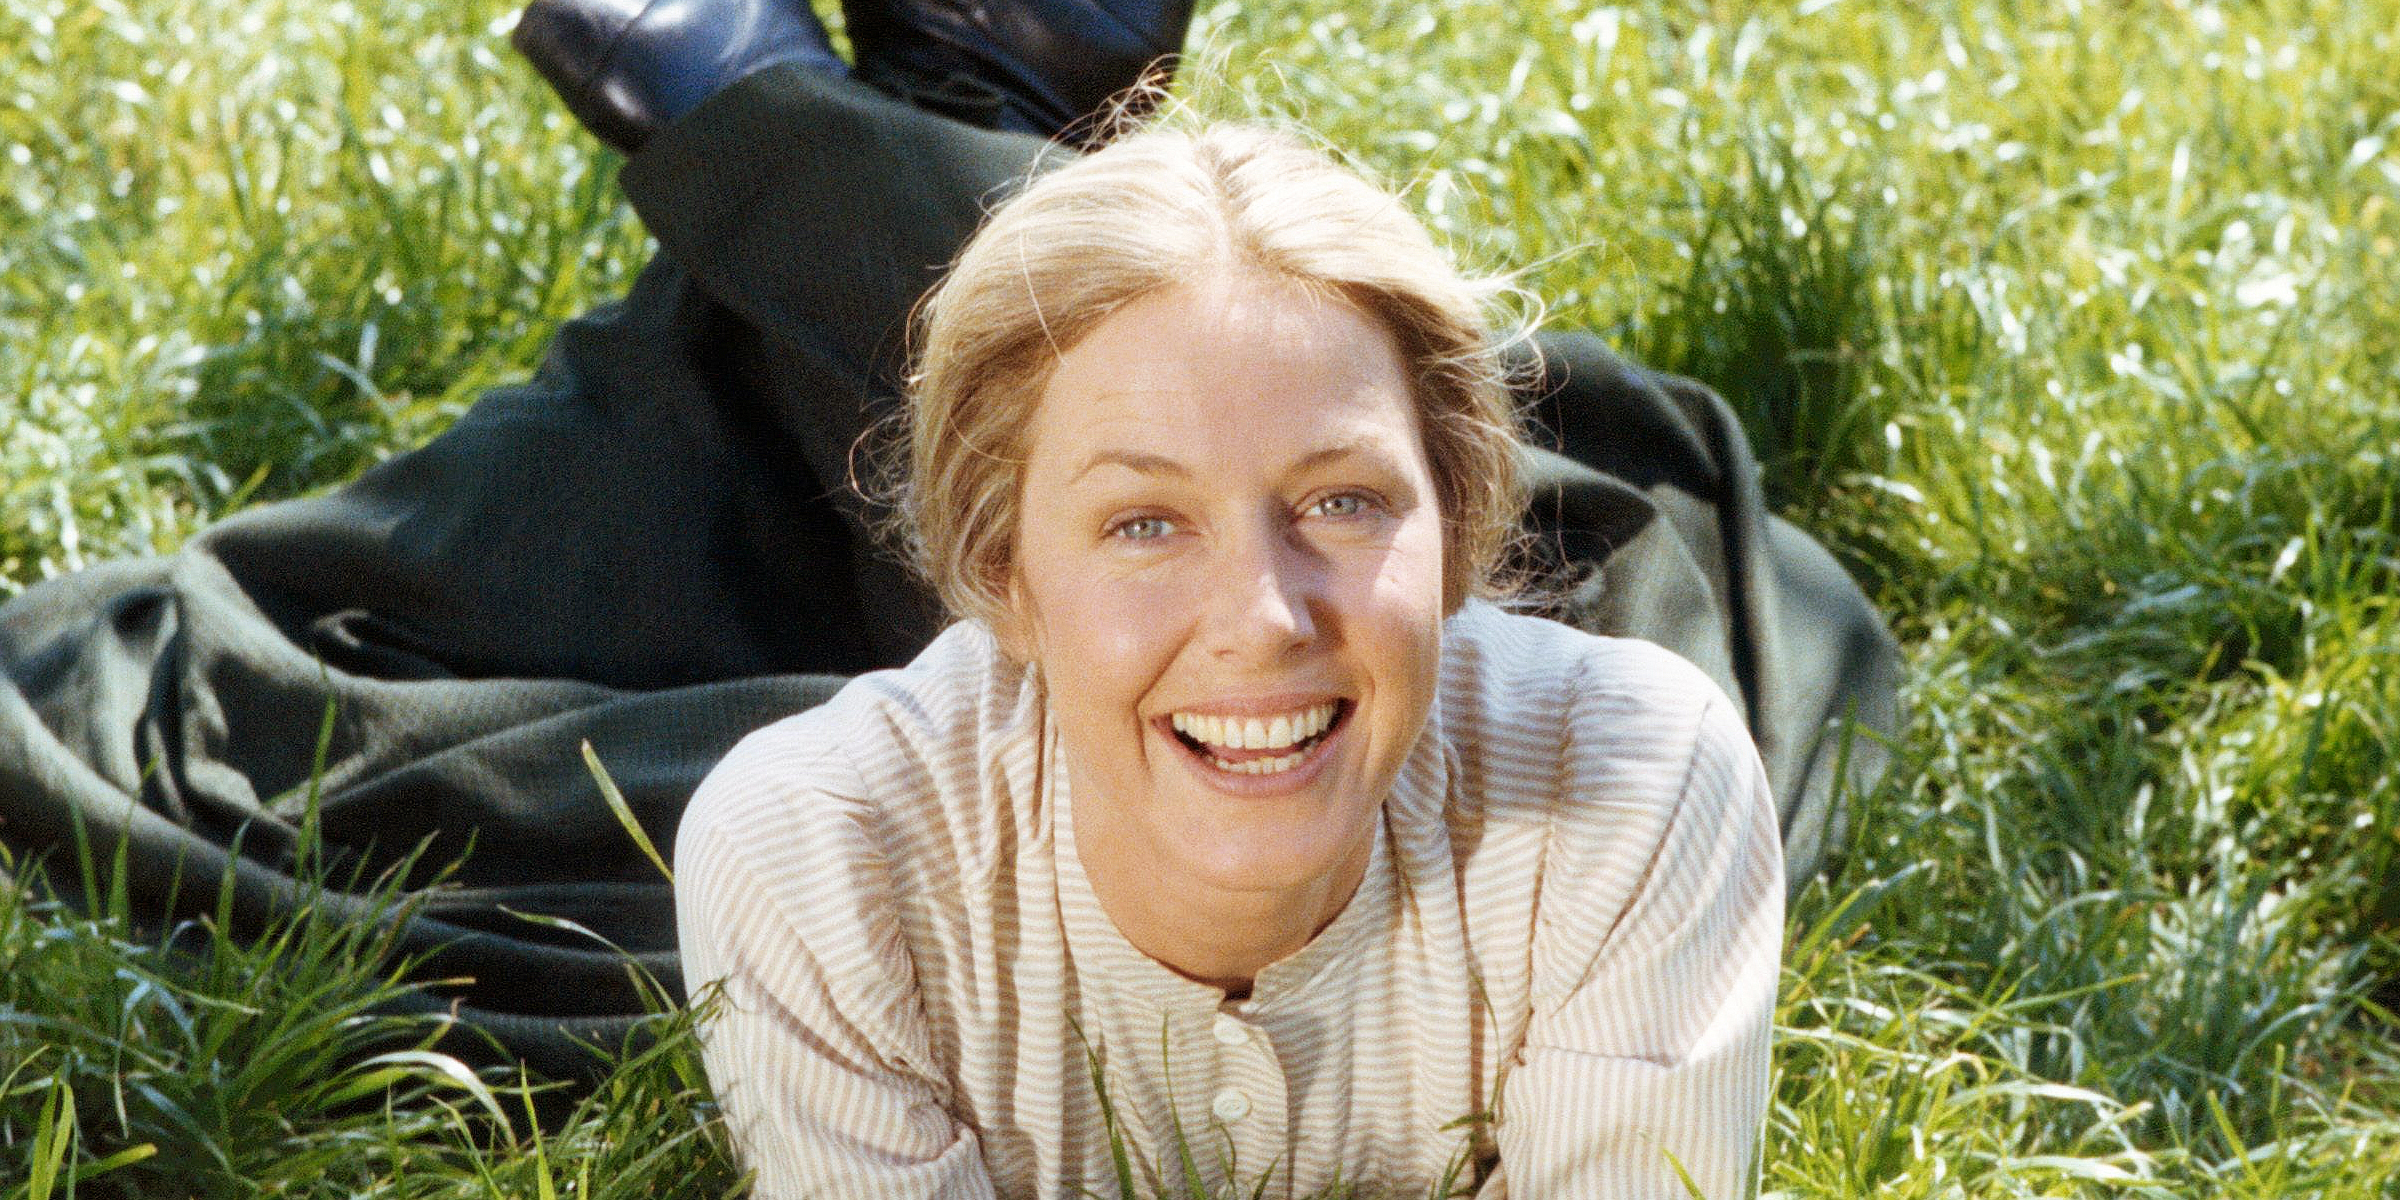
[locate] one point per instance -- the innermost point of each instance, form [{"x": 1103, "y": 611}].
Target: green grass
[{"x": 2073, "y": 328}]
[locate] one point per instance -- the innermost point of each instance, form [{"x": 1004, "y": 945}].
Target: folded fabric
[{"x": 653, "y": 545}]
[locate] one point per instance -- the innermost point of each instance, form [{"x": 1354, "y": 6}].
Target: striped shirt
[{"x": 1556, "y": 977}]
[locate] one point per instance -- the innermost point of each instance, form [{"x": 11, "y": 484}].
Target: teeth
[
  {"x": 1262, "y": 766},
  {"x": 1257, "y": 733}
]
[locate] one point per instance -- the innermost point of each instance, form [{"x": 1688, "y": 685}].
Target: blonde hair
[{"x": 1154, "y": 208}]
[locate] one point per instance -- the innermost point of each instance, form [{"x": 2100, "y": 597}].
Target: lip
[
  {"x": 1282, "y": 782},
  {"x": 1251, "y": 706}
]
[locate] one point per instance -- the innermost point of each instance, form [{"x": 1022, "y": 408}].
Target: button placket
[
  {"x": 1229, "y": 1104},
  {"x": 1248, "y": 1105}
]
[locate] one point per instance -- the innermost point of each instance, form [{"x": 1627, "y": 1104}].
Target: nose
[{"x": 1265, "y": 598}]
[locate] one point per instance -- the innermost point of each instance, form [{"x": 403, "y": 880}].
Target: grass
[{"x": 2074, "y": 329}]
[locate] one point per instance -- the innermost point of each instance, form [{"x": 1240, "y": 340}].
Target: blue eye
[
  {"x": 1142, "y": 529},
  {"x": 1341, "y": 504}
]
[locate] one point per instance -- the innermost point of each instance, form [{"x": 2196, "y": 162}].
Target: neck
[{"x": 1219, "y": 936}]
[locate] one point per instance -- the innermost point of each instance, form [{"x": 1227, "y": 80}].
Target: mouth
[{"x": 1265, "y": 745}]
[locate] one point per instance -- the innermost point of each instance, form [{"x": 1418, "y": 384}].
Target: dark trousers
[{"x": 653, "y": 546}]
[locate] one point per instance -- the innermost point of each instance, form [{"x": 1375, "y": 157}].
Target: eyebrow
[
  {"x": 1159, "y": 464},
  {"x": 1131, "y": 460}
]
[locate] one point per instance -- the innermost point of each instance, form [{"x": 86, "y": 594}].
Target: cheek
[
  {"x": 1105, "y": 638},
  {"x": 1409, "y": 582},
  {"x": 1403, "y": 611}
]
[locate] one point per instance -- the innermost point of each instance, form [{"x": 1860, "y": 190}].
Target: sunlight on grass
[{"x": 2072, "y": 328}]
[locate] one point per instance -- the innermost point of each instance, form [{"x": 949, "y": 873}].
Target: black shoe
[
  {"x": 1034, "y": 66},
  {"x": 626, "y": 68}
]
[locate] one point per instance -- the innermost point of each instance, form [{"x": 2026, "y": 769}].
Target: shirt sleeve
[
  {"x": 815, "y": 1039},
  {"x": 1646, "y": 1054}
]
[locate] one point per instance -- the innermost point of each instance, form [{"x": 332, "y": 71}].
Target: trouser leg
[{"x": 820, "y": 212}]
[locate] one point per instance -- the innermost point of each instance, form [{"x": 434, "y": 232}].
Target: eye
[
  {"x": 1147, "y": 528},
  {"x": 1340, "y": 505}
]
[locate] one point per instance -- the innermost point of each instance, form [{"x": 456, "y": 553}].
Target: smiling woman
[
  {"x": 1229, "y": 821},
  {"x": 1227, "y": 521}
]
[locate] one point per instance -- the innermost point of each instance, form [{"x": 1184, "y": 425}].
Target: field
[{"x": 2074, "y": 328}]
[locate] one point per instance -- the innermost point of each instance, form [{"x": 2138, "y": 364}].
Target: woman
[{"x": 1227, "y": 828}]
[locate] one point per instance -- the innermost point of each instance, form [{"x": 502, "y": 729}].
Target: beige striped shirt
[{"x": 1557, "y": 974}]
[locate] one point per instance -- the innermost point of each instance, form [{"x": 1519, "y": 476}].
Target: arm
[
  {"x": 1651, "y": 1050},
  {"x": 817, "y": 1047}
]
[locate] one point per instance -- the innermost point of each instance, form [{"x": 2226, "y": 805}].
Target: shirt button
[
  {"x": 1230, "y": 1105},
  {"x": 1229, "y": 1031}
]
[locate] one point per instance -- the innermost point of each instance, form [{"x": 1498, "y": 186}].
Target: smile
[{"x": 1259, "y": 745}]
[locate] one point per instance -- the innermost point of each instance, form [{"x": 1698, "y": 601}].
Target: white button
[
  {"x": 1230, "y": 1105},
  {"x": 1229, "y": 1030}
]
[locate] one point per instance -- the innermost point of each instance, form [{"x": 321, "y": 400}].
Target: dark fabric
[{"x": 651, "y": 545}]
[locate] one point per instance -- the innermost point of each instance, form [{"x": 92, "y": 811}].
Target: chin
[{"x": 1279, "y": 851}]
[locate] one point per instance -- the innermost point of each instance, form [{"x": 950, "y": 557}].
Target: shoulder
[
  {"x": 891, "y": 777},
  {"x": 1614, "y": 769},
  {"x": 1554, "y": 712}
]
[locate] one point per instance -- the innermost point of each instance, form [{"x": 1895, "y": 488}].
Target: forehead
[{"x": 1236, "y": 361}]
